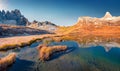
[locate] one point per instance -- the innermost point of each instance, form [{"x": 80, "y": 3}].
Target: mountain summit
[
  {"x": 108, "y": 15},
  {"x": 13, "y": 17}
]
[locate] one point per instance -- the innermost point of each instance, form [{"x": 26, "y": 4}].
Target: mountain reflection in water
[
  {"x": 88, "y": 54},
  {"x": 108, "y": 42}
]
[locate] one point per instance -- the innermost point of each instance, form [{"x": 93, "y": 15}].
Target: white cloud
[{"x": 3, "y": 5}]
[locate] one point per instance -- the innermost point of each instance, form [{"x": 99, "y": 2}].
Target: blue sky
[{"x": 62, "y": 12}]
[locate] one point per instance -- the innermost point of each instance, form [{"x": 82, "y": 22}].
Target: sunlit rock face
[
  {"x": 108, "y": 15},
  {"x": 46, "y": 25},
  {"x": 108, "y": 20},
  {"x": 13, "y": 17},
  {"x": 95, "y": 26}
]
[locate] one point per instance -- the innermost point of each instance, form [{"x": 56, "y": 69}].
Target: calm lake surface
[{"x": 104, "y": 56}]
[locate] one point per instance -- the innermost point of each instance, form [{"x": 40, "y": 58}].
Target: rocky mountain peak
[
  {"x": 108, "y": 15},
  {"x": 13, "y": 17},
  {"x": 46, "y": 25},
  {"x": 106, "y": 20}
]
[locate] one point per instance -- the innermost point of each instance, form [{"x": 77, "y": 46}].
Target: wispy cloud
[{"x": 3, "y": 4}]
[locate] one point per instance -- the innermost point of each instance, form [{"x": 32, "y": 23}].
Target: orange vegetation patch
[
  {"x": 88, "y": 30},
  {"x": 46, "y": 51},
  {"x": 6, "y": 61}
]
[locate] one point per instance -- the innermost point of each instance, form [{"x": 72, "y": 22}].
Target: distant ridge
[
  {"x": 108, "y": 24},
  {"x": 46, "y": 25},
  {"x": 107, "y": 19}
]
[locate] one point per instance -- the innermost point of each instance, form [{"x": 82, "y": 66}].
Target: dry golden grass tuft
[
  {"x": 46, "y": 51},
  {"x": 6, "y": 61}
]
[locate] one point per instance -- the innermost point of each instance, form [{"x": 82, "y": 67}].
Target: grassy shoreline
[{"x": 20, "y": 41}]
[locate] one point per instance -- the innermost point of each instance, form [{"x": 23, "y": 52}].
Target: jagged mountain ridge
[
  {"x": 13, "y": 17},
  {"x": 46, "y": 25},
  {"x": 108, "y": 19},
  {"x": 92, "y": 25}
]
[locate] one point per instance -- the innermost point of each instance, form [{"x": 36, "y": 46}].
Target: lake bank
[{"x": 19, "y": 41}]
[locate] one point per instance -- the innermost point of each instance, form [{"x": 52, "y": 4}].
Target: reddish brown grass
[
  {"x": 46, "y": 51},
  {"x": 6, "y": 61}
]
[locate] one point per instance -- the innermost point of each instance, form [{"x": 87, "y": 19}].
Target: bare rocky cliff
[
  {"x": 13, "y": 17},
  {"x": 46, "y": 25}
]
